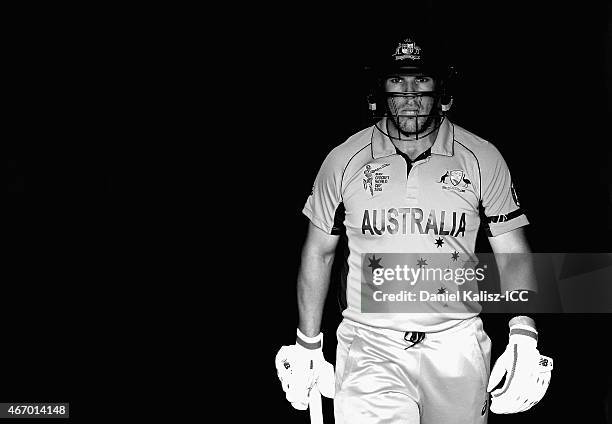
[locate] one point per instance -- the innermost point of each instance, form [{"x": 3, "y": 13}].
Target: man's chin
[{"x": 412, "y": 128}]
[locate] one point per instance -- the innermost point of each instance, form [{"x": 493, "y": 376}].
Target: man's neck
[{"x": 411, "y": 146}]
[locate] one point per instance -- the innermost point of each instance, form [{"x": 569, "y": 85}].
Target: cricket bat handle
[{"x": 315, "y": 406}]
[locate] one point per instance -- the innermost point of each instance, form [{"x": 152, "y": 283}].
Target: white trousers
[{"x": 441, "y": 380}]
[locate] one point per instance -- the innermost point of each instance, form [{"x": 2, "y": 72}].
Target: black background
[{"x": 116, "y": 137}]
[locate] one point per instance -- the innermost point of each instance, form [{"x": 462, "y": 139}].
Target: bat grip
[{"x": 315, "y": 406}]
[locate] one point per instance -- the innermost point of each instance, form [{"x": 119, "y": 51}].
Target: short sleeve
[
  {"x": 324, "y": 205},
  {"x": 498, "y": 195}
]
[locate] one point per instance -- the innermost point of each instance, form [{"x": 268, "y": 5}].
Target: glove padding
[
  {"x": 302, "y": 368},
  {"x": 527, "y": 373}
]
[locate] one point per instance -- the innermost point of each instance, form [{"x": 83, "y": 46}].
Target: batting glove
[
  {"x": 302, "y": 368},
  {"x": 527, "y": 373}
]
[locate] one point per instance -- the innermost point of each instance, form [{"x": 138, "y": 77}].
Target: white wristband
[
  {"x": 311, "y": 343},
  {"x": 524, "y": 327},
  {"x": 523, "y": 330}
]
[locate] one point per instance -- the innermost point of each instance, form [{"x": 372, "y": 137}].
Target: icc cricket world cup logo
[{"x": 369, "y": 177}]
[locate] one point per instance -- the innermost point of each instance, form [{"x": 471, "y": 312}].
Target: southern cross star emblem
[
  {"x": 442, "y": 290},
  {"x": 375, "y": 263}
]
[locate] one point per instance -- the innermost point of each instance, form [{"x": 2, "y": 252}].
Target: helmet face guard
[{"x": 390, "y": 107}]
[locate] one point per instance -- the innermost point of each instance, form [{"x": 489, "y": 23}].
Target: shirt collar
[{"x": 383, "y": 146}]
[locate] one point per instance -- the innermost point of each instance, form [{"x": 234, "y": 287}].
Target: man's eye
[
  {"x": 395, "y": 80},
  {"x": 423, "y": 79}
]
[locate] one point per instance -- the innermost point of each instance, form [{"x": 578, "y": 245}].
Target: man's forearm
[
  {"x": 517, "y": 273},
  {"x": 312, "y": 287}
]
